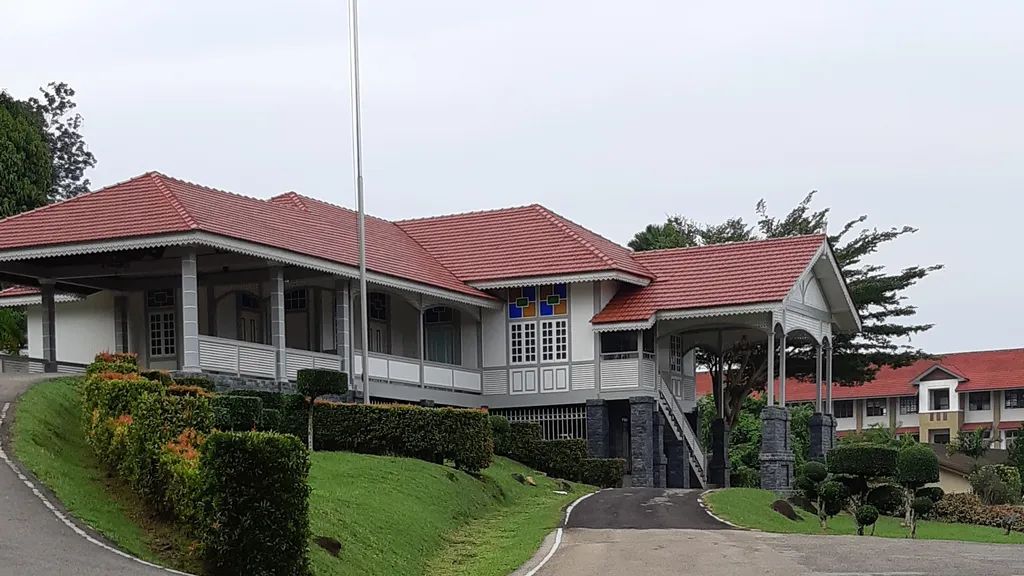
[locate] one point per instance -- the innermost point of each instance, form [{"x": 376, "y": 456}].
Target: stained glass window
[
  {"x": 554, "y": 300},
  {"x": 522, "y": 302}
]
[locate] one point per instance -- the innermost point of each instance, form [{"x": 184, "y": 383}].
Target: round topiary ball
[
  {"x": 833, "y": 497},
  {"x": 814, "y": 471},
  {"x": 867, "y": 515},
  {"x": 917, "y": 465},
  {"x": 922, "y": 506},
  {"x": 888, "y": 499},
  {"x": 933, "y": 493}
]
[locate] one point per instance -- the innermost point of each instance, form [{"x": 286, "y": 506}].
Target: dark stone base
[
  {"x": 642, "y": 412},
  {"x": 660, "y": 462},
  {"x": 719, "y": 467},
  {"x": 677, "y": 461},
  {"x": 823, "y": 432},
  {"x": 776, "y": 453},
  {"x": 598, "y": 429}
]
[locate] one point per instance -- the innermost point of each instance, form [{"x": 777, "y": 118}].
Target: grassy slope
[
  {"x": 394, "y": 516},
  {"x": 752, "y": 509},
  {"x": 49, "y": 440}
]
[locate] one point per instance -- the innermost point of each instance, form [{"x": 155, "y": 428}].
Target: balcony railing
[
  {"x": 624, "y": 371},
  {"x": 401, "y": 370}
]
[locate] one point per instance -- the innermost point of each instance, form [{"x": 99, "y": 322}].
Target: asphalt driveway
[
  {"x": 656, "y": 532},
  {"x": 33, "y": 541}
]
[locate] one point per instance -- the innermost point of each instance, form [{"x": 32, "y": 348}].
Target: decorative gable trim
[
  {"x": 952, "y": 374},
  {"x": 773, "y": 307},
  {"x": 560, "y": 279}
]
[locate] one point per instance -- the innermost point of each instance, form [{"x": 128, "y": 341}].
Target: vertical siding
[
  {"x": 494, "y": 337},
  {"x": 469, "y": 341}
]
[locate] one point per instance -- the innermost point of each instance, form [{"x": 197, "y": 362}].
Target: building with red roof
[{"x": 518, "y": 309}]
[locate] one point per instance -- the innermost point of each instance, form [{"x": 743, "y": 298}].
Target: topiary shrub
[
  {"x": 197, "y": 381},
  {"x": 270, "y": 420},
  {"x": 561, "y": 458},
  {"x": 271, "y": 400},
  {"x": 933, "y": 493},
  {"x": 314, "y": 383},
  {"x": 604, "y": 472},
  {"x": 119, "y": 362},
  {"x": 257, "y": 518},
  {"x": 858, "y": 465},
  {"x": 237, "y": 413},
  {"x": 161, "y": 376},
  {"x": 916, "y": 466},
  {"x": 888, "y": 499},
  {"x": 832, "y": 499},
  {"x": 866, "y": 515},
  {"x": 921, "y": 506},
  {"x": 811, "y": 475}
]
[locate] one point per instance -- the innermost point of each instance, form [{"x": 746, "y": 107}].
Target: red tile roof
[
  {"x": 518, "y": 243},
  {"x": 15, "y": 291},
  {"x": 154, "y": 204},
  {"x": 714, "y": 276},
  {"x": 908, "y": 430},
  {"x": 984, "y": 370}
]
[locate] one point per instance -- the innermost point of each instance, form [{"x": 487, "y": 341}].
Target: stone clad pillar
[
  {"x": 598, "y": 428},
  {"x": 641, "y": 433},
  {"x": 776, "y": 452},
  {"x": 719, "y": 466},
  {"x": 189, "y": 313},
  {"x": 820, "y": 438},
  {"x": 277, "y": 323},
  {"x": 49, "y": 331}
]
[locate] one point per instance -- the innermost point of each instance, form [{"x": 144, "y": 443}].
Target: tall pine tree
[{"x": 878, "y": 294}]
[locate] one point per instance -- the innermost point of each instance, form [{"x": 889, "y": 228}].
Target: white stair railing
[{"x": 683, "y": 431}]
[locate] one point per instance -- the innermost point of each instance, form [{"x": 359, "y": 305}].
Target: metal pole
[
  {"x": 828, "y": 379},
  {"x": 782, "y": 370},
  {"x": 817, "y": 379},
  {"x": 357, "y": 153}
]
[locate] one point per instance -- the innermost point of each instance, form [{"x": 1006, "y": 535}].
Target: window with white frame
[
  {"x": 939, "y": 399},
  {"x": 161, "y": 312},
  {"x": 440, "y": 332},
  {"x": 675, "y": 353},
  {"x": 908, "y": 405},
  {"x": 554, "y": 340},
  {"x": 543, "y": 309},
  {"x": 876, "y": 406},
  {"x": 295, "y": 300}
]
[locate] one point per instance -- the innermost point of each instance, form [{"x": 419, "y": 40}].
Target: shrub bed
[
  {"x": 567, "y": 459},
  {"x": 604, "y": 472},
  {"x": 431, "y": 434},
  {"x": 242, "y": 495},
  {"x": 969, "y": 509},
  {"x": 515, "y": 440}
]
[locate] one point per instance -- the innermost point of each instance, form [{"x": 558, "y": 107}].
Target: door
[
  {"x": 380, "y": 338},
  {"x": 249, "y": 327}
]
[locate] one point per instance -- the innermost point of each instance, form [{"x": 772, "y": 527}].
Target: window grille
[{"x": 556, "y": 422}]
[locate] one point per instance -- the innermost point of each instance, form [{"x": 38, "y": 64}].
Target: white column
[
  {"x": 49, "y": 331},
  {"x": 420, "y": 339},
  {"x": 828, "y": 378},
  {"x": 782, "y": 370},
  {"x": 721, "y": 376},
  {"x": 342, "y": 331},
  {"x": 120, "y": 323},
  {"x": 189, "y": 313},
  {"x": 817, "y": 379},
  {"x": 639, "y": 358},
  {"x": 277, "y": 322},
  {"x": 770, "y": 386}
]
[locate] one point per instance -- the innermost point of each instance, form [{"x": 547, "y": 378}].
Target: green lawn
[
  {"x": 393, "y": 516},
  {"x": 751, "y": 508}
]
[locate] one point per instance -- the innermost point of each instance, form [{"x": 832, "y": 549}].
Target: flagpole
[{"x": 357, "y": 152}]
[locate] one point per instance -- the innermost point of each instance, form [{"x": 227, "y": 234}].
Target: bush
[
  {"x": 271, "y": 400},
  {"x": 317, "y": 382},
  {"x": 996, "y": 484},
  {"x": 561, "y": 458},
  {"x": 109, "y": 395},
  {"x": 922, "y": 506},
  {"x": 866, "y": 516},
  {"x": 933, "y": 493},
  {"x": 257, "y": 522},
  {"x": 515, "y": 440},
  {"x": 604, "y": 472},
  {"x": 888, "y": 499},
  {"x": 431, "y": 434},
  {"x": 270, "y": 420},
  {"x": 917, "y": 465},
  {"x": 863, "y": 460},
  {"x": 237, "y": 413},
  {"x": 833, "y": 496},
  {"x": 178, "y": 390},
  {"x": 814, "y": 471},
  {"x": 161, "y": 376},
  {"x": 198, "y": 381},
  {"x": 119, "y": 362},
  {"x": 744, "y": 477}
]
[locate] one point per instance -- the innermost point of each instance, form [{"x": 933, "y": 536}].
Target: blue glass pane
[
  {"x": 514, "y": 311},
  {"x": 530, "y": 292},
  {"x": 546, "y": 309},
  {"x": 562, "y": 290}
]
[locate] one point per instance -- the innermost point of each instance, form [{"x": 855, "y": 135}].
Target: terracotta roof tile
[
  {"x": 517, "y": 243},
  {"x": 15, "y": 291},
  {"x": 714, "y": 276},
  {"x": 154, "y": 204}
]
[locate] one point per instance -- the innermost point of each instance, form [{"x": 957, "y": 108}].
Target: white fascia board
[{"x": 561, "y": 279}]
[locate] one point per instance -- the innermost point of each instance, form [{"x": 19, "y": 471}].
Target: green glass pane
[
  {"x": 553, "y": 300},
  {"x": 522, "y": 302}
]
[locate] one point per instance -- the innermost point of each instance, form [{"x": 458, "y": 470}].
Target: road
[
  {"x": 33, "y": 541},
  {"x": 657, "y": 532}
]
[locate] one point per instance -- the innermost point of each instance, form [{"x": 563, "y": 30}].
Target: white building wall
[
  {"x": 581, "y": 332},
  {"x": 924, "y": 395},
  {"x": 83, "y": 328},
  {"x": 470, "y": 343},
  {"x": 870, "y": 421},
  {"x": 980, "y": 415},
  {"x": 608, "y": 290},
  {"x": 494, "y": 337}
]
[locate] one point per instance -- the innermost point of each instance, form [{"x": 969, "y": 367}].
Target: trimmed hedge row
[
  {"x": 963, "y": 508},
  {"x": 567, "y": 459},
  {"x": 431, "y": 434},
  {"x": 244, "y": 496},
  {"x": 237, "y": 413}
]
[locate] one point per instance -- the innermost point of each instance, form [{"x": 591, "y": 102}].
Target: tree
[
  {"x": 25, "y": 162},
  {"x": 1015, "y": 451},
  {"x": 12, "y": 330},
  {"x": 878, "y": 295},
  {"x": 71, "y": 157},
  {"x": 314, "y": 383},
  {"x": 858, "y": 466},
  {"x": 972, "y": 444},
  {"x": 916, "y": 466}
]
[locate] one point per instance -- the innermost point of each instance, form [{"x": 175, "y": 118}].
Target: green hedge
[
  {"x": 237, "y": 413},
  {"x": 161, "y": 376},
  {"x": 862, "y": 460},
  {"x": 271, "y": 400},
  {"x": 962, "y": 508},
  {"x": 270, "y": 420},
  {"x": 604, "y": 472},
  {"x": 258, "y": 518},
  {"x": 431, "y": 434},
  {"x": 916, "y": 466},
  {"x": 116, "y": 362},
  {"x": 515, "y": 440},
  {"x": 315, "y": 382},
  {"x": 198, "y": 381},
  {"x": 561, "y": 458}
]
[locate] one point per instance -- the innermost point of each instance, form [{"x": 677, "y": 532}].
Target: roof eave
[{"x": 595, "y": 276}]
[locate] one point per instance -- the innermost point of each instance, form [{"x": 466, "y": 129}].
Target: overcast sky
[{"x": 610, "y": 113}]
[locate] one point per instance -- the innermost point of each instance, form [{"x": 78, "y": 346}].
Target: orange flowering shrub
[{"x": 186, "y": 445}]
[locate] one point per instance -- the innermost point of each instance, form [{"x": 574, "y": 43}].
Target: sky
[{"x": 613, "y": 114}]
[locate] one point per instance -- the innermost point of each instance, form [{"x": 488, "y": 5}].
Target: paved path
[
  {"x": 34, "y": 542},
  {"x": 666, "y": 533}
]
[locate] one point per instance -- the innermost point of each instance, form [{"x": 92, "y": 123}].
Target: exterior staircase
[{"x": 676, "y": 419}]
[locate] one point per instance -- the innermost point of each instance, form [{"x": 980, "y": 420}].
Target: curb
[
  {"x": 707, "y": 510},
  {"x": 557, "y": 536},
  {"x": 24, "y": 477}
]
